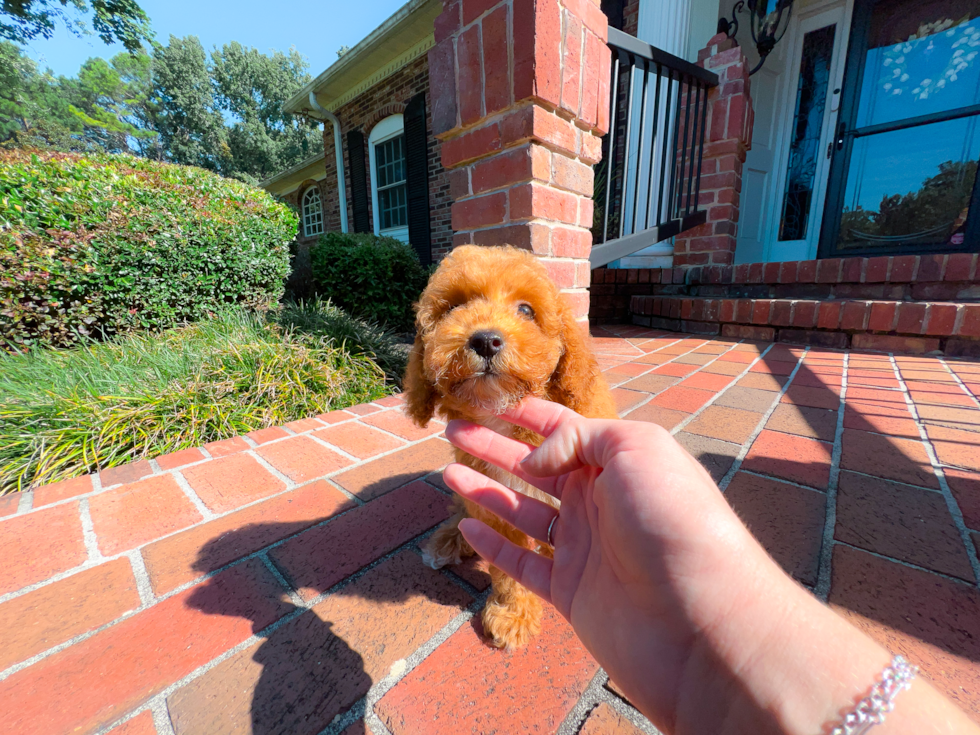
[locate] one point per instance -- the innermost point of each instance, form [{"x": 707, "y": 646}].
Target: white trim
[
  {"x": 397, "y": 64},
  {"x": 812, "y": 17},
  {"x": 390, "y": 127},
  {"x": 314, "y": 217}
]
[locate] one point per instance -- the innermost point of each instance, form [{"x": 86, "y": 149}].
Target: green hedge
[
  {"x": 377, "y": 278},
  {"x": 103, "y": 244}
]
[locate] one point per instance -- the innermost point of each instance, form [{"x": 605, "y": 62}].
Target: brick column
[
  {"x": 520, "y": 99},
  {"x": 730, "y": 120}
]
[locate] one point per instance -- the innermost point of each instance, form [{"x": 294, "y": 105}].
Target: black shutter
[
  {"x": 417, "y": 178},
  {"x": 358, "y": 181}
]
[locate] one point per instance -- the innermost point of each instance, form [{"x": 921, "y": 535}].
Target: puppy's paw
[
  {"x": 445, "y": 547},
  {"x": 513, "y": 625}
]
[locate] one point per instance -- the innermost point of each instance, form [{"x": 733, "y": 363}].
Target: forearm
[{"x": 807, "y": 668}]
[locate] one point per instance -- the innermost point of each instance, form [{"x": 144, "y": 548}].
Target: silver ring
[{"x": 551, "y": 527}]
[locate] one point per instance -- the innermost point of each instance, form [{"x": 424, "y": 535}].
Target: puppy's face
[{"x": 490, "y": 329}]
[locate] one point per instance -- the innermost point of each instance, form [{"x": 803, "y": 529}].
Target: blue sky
[{"x": 317, "y": 30}]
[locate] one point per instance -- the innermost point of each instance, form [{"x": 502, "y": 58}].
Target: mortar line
[
  {"x": 155, "y": 466},
  {"x": 784, "y": 481},
  {"x": 287, "y": 586},
  {"x": 910, "y": 565},
  {"x": 25, "y": 503},
  {"x": 334, "y": 448},
  {"x": 747, "y": 444},
  {"x": 88, "y": 533},
  {"x": 143, "y": 585},
  {"x": 960, "y": 383},
  {"x": 161, "y": 716},
  {"x": 290, "y": 484},
  {"x": 350, "y": 496},
  {"x": 822, "y": 588},
  {"x": 587, "y": 701},
  {"x": 683, "y": 424},
  {"x": 651, "y": 396},
  {"x": 206, "y": 513},
  {"x": 937, "y": 468},
  {"x": 909, "y": 485}
]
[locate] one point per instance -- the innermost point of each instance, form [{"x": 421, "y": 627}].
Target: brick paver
[{"x": 274, "y": 583}]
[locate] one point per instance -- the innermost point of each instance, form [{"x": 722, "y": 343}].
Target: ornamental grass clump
[
  {"x": 64, "y": 413},
  {"x": 98, "y": 245}
]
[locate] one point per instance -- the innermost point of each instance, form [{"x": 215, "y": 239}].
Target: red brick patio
[{"x": 273, "y": 583}]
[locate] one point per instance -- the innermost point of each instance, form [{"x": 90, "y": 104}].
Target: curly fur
[{"x": 545, "y": 355}]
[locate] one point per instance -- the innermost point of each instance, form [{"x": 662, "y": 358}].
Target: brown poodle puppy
[{"x": 492, "y": 329}]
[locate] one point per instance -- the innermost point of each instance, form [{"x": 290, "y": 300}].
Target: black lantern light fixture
[{"x": 768, "y": 22}]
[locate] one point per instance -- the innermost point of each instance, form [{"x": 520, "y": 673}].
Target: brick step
[
  {"x": 925, "y": 278},
  {"x": 916, "y": 327}
]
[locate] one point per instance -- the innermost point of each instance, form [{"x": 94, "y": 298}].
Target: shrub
[
  {"x": 377, "y": 278},
  {"x": 105, "y": 244},
  {"x": 64, "y": 413}
]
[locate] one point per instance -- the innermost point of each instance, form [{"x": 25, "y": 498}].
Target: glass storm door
[
  {"x": 905, "y": 152},
  {"x": 808, "y": 127}
]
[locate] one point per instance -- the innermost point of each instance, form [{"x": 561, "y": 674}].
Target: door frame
[
  {"x": 815, "y": 16},
  {"x": 843, "y": 145}
]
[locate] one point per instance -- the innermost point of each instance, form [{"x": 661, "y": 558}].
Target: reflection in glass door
[{"x": 905, "y": 156}]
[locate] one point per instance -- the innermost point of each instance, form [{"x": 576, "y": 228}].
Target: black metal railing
[{"x": 649, "y": 181}]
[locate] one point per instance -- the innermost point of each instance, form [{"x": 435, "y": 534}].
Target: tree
[
  {"x": 35, "y": 106},
  {"x": 932, "y": 213},
  {"x": 114, "y": 21},
  {"x": 115, "y": 103},
  {"x": 251, "y": 88},
  {"x": 191, "y": 128}
]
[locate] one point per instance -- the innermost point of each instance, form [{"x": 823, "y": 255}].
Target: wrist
[{"x": 785, "y": 663}]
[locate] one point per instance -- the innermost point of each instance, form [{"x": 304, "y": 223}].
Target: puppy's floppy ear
[
  {"x": 420, "y": 394},
  {"x": 574, "y": 380}
]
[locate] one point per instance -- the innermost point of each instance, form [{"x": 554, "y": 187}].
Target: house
[
  {"x": 394, "y": 181},
  {"x": 850, "y": 178}
]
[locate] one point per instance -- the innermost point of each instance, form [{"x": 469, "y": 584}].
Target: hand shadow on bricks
[{"x": 318, "y": 664}]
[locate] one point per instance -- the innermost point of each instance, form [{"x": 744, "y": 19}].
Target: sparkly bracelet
[{"x": 871, "y": 710}]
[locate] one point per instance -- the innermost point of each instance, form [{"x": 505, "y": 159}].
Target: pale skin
[{"x": 668, "y": 590}]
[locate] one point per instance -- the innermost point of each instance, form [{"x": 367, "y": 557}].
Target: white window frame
[
  {"x": 390, "y": 127},
  {"x": 307, "y": 217}
]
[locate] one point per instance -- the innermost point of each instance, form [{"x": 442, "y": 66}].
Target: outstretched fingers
[
  {"x": 505, "y": 453},
  {"x": 524, "y": 513},
  {"x": 530, "y": 569}
]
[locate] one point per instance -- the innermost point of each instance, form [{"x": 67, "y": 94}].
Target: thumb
[{"x": 570, "y": 447}]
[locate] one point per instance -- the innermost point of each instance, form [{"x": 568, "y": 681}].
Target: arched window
[
  {"x": 312, "y": 212},
  {"x": 389, "y": 194}
]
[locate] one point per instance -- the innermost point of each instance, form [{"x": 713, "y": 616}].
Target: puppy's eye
[{"x": 526, "y": 310}]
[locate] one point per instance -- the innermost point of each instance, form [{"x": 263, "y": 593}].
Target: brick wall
[
  {"x": 521, "y": 104},
  {"x": 730, "y": 122},
  {"x": 908, "y": 303}
]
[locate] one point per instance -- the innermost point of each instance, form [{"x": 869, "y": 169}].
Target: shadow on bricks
[{"x": 320, "y": 661}]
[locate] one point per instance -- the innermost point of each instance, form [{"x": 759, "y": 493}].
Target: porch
[{"x": 273, "y": 582}]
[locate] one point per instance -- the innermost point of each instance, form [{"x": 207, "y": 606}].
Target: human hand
[
  {"x": 663, "y": 583},
  {"x": 643, "y": 547}
]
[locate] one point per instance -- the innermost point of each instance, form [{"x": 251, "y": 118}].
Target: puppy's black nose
[{"x": 486, "y": 344}]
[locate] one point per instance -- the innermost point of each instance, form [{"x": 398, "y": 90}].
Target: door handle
[{"x": 837, "y": 142}]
